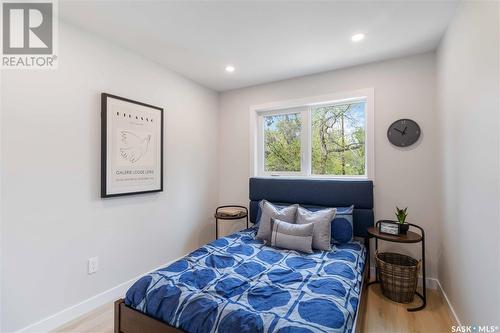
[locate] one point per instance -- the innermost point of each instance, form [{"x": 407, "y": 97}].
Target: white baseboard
[
  {"x": 457, "y": 320},
  {"x": 73, "y": 312}
]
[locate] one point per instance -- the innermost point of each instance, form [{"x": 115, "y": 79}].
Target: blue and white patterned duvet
[{"x": 237, "y": 284}]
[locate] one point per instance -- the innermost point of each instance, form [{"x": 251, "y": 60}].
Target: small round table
[
  {"x": 218, "y": 216},
  {"x": 410, "y": 237}
]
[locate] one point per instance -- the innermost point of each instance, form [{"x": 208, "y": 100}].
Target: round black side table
[
  {"x": 410, "y": 237},
  {"x": 218, "y": 216}
]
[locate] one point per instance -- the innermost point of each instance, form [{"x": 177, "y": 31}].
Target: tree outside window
[
  {"x": 337, "y": 140},
  {"x": 282, "y": 142}
]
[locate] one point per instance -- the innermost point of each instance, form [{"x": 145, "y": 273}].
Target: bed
[{"x": 238, "y": 284}]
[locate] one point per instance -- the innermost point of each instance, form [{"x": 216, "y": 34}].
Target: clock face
[{"x": 403, "y": 132}]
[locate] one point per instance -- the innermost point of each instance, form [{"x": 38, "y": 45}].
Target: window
[
  {"x": 317, "y": 139},
  {"x": 338, "y": 139},
  {"x": 282, "y": 134}
]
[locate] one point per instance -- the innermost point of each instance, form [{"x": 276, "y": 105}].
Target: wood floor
[{"x": 382, "y": 316}]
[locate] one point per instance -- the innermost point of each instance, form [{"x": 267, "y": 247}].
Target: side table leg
[
  {"x": 376, "y": 270},
  {"x": 216, "y": 228},
  {"x": 368, "y": 255},
  {"x": 423, "y": 296}
]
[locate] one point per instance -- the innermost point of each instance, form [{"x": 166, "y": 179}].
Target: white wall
[
  {"x": 53, "y": 218},
  {"x": 404, "y": 177},
  {"x": 469, "y": 116}
]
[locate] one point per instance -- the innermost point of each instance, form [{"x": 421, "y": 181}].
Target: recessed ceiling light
[
  {"x": 358, "y": 37},
  {"x": 230, "y": 68}
]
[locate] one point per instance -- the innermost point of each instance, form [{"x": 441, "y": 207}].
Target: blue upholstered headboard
[{"x": 317, "y": 192}]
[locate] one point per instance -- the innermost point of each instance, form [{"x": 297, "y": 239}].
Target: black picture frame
[
  {"x": 388, "y": 222},
  {"x": 104, "y": 145}
]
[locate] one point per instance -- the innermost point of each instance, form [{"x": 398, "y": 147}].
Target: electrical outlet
[{"x": 93, "y": 265}]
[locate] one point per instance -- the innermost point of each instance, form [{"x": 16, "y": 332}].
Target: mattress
[{"x": 238, "y": 284}]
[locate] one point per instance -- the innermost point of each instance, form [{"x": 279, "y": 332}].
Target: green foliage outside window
[
  {"x": 337, "y": 138},
  {"x": 282, "y": 142}
]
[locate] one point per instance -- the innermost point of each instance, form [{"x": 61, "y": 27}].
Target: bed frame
[{"x": 308, "y": 193}]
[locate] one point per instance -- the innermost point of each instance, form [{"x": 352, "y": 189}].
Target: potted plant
[{"x": 401, "y": 214}]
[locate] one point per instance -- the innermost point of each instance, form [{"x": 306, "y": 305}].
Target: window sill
[{"x": 350, "y": 178}]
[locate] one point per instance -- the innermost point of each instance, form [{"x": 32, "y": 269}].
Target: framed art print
[{"x": 131, "y": 147}]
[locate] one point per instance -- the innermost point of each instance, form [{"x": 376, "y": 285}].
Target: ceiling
[{"x": 264, "y": 40}]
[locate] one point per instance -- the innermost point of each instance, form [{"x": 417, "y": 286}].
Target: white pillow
[
  {"x": 286, "y": 214},
  {"x": 322, "y": 221}
]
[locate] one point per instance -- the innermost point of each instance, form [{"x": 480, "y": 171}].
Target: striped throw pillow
[{"x": 289, "y": 236}]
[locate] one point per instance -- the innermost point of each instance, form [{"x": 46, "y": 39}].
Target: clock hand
[
  {"x": 404, "y": 131},
  {"x": 398, "y": 130}
]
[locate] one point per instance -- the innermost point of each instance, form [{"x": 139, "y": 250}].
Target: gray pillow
[
  {"x": 322, "y": 221},
  {"x": 292, "y": 236},
  {"x": 286, "y": 214}
]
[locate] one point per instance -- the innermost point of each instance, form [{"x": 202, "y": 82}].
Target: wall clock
[{"x": 403, "y": 132}]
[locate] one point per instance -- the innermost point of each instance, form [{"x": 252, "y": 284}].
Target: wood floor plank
[
  {"x": 98, "y": 321},
  {"x": 382, "y": 316}
]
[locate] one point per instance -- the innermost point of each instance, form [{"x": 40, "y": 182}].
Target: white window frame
[{"x": 303, "y": 106}]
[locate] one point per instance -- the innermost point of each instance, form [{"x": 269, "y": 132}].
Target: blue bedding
[{"x": 237, "y": 284}]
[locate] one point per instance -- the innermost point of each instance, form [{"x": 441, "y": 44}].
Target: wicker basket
[{"x": 398, "y": 275}]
